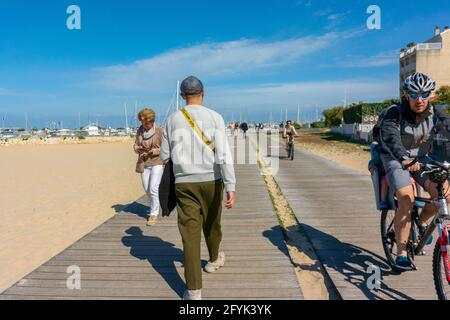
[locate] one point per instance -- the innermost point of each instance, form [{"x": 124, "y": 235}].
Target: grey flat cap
[{"x": 191, "y": 86}]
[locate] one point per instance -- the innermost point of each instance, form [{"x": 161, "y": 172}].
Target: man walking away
[
  {"x": 195, "y": 139},
  {"x": 244, "y": 128}
]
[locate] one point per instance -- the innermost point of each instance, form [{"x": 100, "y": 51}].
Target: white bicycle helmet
[{"x": 419, "y": 82}]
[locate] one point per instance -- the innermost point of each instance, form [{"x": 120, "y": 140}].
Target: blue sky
[{"x": 255, "y": 57}]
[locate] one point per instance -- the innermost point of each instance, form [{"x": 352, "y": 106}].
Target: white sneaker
[
  {"x": 212, "y": 267},
  {"x": 192, "y": 295}
]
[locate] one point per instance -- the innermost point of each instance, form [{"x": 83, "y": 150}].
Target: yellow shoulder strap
[{"x": 197, "y": 130}]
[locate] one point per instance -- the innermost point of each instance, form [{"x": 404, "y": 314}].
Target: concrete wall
[
  {"x": 435, "y": 63},
  {"x": 358, "y": 132}
]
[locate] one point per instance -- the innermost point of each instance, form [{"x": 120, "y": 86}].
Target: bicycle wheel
[
  {"x": 440, "y": 280},
  {"x": 388, "y": 237}
]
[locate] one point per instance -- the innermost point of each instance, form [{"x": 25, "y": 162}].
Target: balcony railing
[{"x": 421, "y": 46}]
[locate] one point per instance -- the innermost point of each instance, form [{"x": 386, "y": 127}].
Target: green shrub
[
  {"x": 81, "y": 138},
  {"x": 333, "y": 116},
  {"x": 443, "y": 95},
  {"x": 318, "y": 124},
  {"x": 365, "y": 112}
]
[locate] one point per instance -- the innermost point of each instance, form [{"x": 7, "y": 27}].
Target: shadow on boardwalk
[
  {"x": 274, "y": 236},
  {"x": 136, "y": 208},
  {"x": 140, "y": 248},
  {"x": 347, "y": 259}
]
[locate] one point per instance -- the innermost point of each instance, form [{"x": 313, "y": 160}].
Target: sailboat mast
[
  {"x": 178, "y": 95},
  {"x": 126, "y": 117},
  {"x": 135, "y": 114}
]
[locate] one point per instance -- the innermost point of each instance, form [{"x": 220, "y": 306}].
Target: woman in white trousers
[
  {"x": 151, "y": 178},
  {"x": 149, "y": 165}
]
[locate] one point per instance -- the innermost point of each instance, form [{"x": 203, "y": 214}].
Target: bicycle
[
  {"x": 290, "y": 146},
  {"x": 291, "y": 150},
  {"x": 438, "y": 173}
]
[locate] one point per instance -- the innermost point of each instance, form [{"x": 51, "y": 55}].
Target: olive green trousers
[{"x": 199, "y": 207}]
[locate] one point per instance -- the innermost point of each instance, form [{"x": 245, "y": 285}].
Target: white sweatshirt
[{"x": 194, "y": 161}]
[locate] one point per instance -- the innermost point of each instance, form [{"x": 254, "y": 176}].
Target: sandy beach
[
  {"x": 351, "y": 155},
  {"x": 54, "y": 194}
]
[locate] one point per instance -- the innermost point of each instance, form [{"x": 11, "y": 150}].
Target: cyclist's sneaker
[
  {"x": 419, "y": 204},
  {"x": 383, "y": 205},
  {"x": 422, "y": 230},
  {"x": 403, "y": 263}
]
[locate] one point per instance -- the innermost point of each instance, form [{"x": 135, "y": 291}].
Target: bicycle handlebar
[
  {"x": 407, "y": 166},
  {"x": 445, "y": 166},
  {"x": 434, "y": 167}
]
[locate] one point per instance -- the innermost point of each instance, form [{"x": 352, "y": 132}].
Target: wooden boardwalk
[
  {"x": 125, "y": 259},
  {"x": 336, "y": 208}
]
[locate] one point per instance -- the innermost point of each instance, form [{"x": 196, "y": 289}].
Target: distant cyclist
[
  {"x": 289, "y": 134},
  {"x": 407, "y": 132}
]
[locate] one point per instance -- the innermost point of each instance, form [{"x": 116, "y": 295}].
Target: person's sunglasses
[{"x": 416, "y": 96}]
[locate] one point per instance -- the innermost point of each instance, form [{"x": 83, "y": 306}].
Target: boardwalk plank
[
  {"x": 116, "y": 264},
  {"x": 336, "y": 208},
  {"x": 157, "y": 292}
]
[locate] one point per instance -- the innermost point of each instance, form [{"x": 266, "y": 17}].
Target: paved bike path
[{"x": 335, "y": 206}]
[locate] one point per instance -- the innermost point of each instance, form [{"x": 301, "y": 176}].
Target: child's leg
[
  {"x": 384, "y": 188},
  {"x": 414, "y": 184}
]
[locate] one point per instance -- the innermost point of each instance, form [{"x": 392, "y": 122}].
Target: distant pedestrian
[
  {"x": 244, "y": 128},
  {"x": 196, "y": 142},
  {"x": 149, "y": 164},
  {"x": 232, "y": 128}
]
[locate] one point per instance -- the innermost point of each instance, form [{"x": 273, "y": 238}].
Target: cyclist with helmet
[
  {"x": 407, "y": 132},
  {"x": 289, "y": 133}
]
